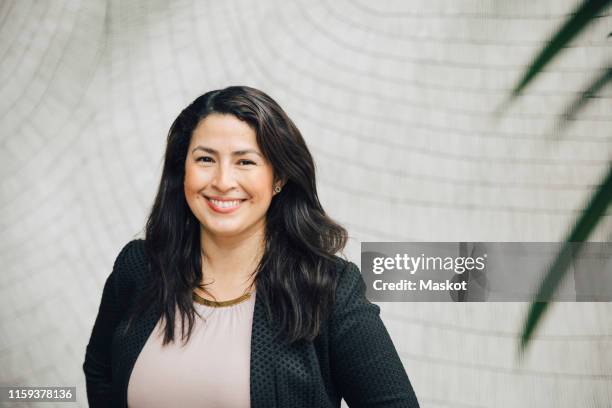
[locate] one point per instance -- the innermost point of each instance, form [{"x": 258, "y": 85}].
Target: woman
[{"x": 239, "y": 258}]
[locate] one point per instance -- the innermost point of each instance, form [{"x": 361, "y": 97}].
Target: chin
[{"x": 223, "y": 231}]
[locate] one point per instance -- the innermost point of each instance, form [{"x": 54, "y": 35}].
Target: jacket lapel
[
  {"x": 127, "y": 348},
  {"x": 263, "y": 359}
]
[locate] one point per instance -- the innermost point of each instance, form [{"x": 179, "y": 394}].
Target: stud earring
[{"x": 277, "y": 189}]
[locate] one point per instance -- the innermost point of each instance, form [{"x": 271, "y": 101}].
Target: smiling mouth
[{"x": 225, "y": 204}]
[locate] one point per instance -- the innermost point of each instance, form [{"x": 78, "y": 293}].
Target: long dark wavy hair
[{"x": 295, "y": 276}]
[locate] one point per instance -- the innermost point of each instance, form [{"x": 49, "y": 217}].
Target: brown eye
[
  {"x": 246, "y": 162},
  {"x": 205, "y": 159}
]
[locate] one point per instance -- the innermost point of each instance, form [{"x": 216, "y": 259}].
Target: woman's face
[{"x": 228, "y": 182}]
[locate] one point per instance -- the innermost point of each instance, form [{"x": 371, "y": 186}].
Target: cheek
[
  {"x": 194, "y": 180},
  {"x": 188, "y": 183},
  {"x": 261, "y": 187}
]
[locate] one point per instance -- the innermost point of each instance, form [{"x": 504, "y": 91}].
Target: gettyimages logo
[
  {"x": 482, "y": 271},
  {"x": 414, "y": 264},
  {"x": 455, "y": 271}
]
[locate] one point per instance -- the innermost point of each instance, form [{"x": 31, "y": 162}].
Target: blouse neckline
[{"x": 225, "y": 303}]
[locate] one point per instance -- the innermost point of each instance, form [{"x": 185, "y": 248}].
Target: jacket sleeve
[
  {"x": 365, "y": 365},
  {"x": 97, "y": 365}
]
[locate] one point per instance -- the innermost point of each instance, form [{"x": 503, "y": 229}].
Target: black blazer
[{"x": 353, "y": 357}]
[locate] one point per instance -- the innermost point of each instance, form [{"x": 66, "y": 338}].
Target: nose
[{"x": 224, "y": 178}]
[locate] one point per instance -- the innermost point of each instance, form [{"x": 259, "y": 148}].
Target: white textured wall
[{"x": 394, "y": 99}]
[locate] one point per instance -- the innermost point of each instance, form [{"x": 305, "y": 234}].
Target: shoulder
[
  {"x": 131, "y": 264},
  {"x": 349, "y": 281},
  {"x": 346, "y": 271},
  {"x": 132, "y": 256},
  {"x": 352, "y": 312}
]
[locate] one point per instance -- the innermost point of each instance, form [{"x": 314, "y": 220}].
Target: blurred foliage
[{"x": 599, "y": 202}]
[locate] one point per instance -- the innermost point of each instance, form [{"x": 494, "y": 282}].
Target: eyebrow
[{"x": 234, "y": 153}]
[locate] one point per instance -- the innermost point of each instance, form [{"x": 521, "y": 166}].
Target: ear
[{"x": 279, "y": 183}]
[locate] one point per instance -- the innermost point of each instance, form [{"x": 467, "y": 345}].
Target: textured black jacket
[{"x": 352, "y": 358}]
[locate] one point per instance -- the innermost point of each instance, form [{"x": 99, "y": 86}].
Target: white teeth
[{"x": 225, "y": 204}]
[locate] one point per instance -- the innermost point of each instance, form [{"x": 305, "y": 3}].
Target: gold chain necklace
[{"x": 199, "y": 299}]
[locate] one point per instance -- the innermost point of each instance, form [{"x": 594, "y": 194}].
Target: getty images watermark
[
  {"x": 414, "y": 264},
  {"x": 481, "y": 271}
]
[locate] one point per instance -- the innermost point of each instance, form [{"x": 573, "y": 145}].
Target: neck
[{"x": 230, "y": 261}]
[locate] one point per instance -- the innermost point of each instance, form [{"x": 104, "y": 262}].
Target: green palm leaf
[
  {"x": 580, "y": 18},
  {"x": 581, "y": 231},
  {"x": 597, "y": 84},
  {"x": 597, "y": 206}
]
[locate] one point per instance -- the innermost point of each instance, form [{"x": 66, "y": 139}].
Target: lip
[{"x": 221, "y": 209}]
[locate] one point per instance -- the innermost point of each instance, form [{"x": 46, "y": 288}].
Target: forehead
[{"x": 224, "y": 130}]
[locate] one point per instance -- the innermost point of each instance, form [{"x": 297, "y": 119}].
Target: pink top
[{"x": 212, "y": 370}]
